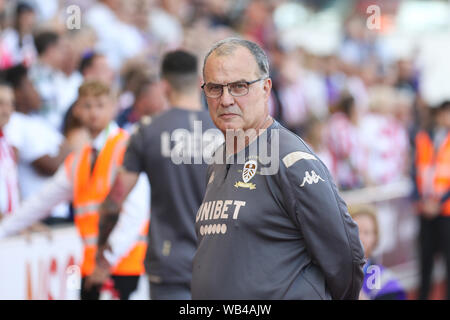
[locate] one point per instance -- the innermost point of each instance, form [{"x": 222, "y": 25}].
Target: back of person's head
[
  {"x": 44, "y": 40},
  {"x": 180, "y": 69}
]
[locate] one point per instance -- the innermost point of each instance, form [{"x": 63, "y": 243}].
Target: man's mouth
[{"x": 228, "y": 115}]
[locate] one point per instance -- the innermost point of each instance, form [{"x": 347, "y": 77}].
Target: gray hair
[{"x": 228, "y": 45}]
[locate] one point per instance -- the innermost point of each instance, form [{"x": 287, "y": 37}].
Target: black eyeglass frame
[{"x": 248, "y": 83}]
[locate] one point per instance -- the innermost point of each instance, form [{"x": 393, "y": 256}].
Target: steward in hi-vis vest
[{"x": 85, "y": 178}]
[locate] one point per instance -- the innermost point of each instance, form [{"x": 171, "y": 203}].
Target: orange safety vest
[
  {"x": 433, "y": 169},
  {"x": 90, "y": 188}
]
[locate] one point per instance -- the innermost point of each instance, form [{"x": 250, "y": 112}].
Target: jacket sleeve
[{"x": 330, "y": 234}]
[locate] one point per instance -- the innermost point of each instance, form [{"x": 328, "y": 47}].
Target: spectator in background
[
  {"x": 432, "y": 182},
  {"x": 345, "y": 145},
  {"x": 131, "y": 74},
  {"x": 74, "y": 131},
  {"x": 9, "y": 184},
  {"x": 95, "y": 66},
  {"x": 302, "y": 91},
  {"x": 361, "y": 47},
  {"x": 41, "y": 148},
  {"x": 257, "y": 24},
  {"x": 76, "y": 180},
  {"x": 315, "y": 136},
  {"x": 119, "y": 40},
  {"x": 18, "y": 39},
  {"x": 149, "y": 100},
  {"x": 379, "y": 283},
  {"x": 3, "y": 15},
  {"x": 407, "y": 75},
  {"x": 138, "y": 14},
  {"x": 164, "y": 24},
  {"x": 291, "y": 92},
  {"x": 385, "y": 139},
  {"x": 46, "y": 75},
  {"x": 71, "y": 78},
  {"x": 335, "y": 79}
]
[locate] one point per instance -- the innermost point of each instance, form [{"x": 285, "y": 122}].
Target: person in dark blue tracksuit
[{"x": 269, "y": 227}]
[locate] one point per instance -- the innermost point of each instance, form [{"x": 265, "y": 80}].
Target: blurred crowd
[{"x": 358, "y": 107}]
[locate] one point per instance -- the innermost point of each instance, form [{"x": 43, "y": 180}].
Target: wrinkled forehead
[{"x": 230, "y": 66}]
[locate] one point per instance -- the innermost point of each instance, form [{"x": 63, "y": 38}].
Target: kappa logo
[{"x": 311, "y": 178}]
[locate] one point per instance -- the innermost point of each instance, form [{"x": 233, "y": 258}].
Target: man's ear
[{"x": 267, "y": 88}]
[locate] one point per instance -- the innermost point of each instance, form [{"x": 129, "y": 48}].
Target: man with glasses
[{"x": 265, "y": 233}]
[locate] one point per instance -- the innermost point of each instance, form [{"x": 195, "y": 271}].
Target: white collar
[{"x": 100, "y": 140}]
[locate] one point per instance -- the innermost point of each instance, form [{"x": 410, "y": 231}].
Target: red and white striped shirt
[
  {"x": 9, "y": 183},
  {"x": 348, "y": 153}
]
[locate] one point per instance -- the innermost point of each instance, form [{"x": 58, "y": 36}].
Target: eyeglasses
[{"x": 236, "y": 89}]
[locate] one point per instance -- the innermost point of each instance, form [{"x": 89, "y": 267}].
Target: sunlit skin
[
  {"x": 95, "y": 112},
  {"x": 245, "y": 112},
  {"x": 6, "y": 105},
  {"x": 367, "y": 233}
]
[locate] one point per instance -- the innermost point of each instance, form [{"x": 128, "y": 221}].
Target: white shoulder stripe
[{"x": 293, "y": 157}]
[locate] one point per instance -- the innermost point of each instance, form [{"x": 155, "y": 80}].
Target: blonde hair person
[{"x": 379, "y": 283}]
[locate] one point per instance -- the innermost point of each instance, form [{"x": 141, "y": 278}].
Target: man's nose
[{"x": 226, "y": 99}]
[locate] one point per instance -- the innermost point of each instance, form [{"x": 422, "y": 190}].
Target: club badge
[{"x": 247, "y": 174}]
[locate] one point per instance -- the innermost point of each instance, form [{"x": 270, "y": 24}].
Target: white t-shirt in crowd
[
  {"x": 387, "y": 146},
  {"x": 33, "y": 137},
  {"x": 117, "y": 40}
]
